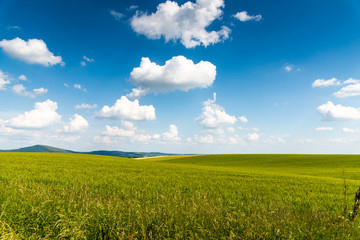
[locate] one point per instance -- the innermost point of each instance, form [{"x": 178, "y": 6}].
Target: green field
[{"x": 74, "y": 196}]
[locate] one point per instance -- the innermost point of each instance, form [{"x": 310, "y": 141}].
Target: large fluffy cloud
[
  {"x": 33, "y": 51},
  {"x": 214, "y": 116},
  {"x": 187, "y": 22},
  {"x": 178, "y": 73},
  {"x": 77, "y": 124},
  {"x": 330, "y": 112},
  {"x": 126, "y": 109},
  {"x": 43, "y": 115}
]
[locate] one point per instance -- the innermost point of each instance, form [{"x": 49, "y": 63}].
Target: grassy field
[{"x": 74, "y": 196}]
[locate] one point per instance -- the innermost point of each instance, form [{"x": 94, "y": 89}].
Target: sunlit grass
[{"x": 54, "y": 196}]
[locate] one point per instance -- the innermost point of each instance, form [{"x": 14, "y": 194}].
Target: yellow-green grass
[{"x": 74, "y": 196}]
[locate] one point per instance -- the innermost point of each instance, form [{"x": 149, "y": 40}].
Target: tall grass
[{"x": 55, "y": 196}]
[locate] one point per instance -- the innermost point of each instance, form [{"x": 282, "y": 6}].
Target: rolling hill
[{"x": 49, "y": 149}]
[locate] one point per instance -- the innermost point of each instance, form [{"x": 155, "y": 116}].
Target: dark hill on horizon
[{"x": 49, "y": 149}]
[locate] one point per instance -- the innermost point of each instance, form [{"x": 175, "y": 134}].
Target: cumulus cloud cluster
[
  {"x": 187, "y": 22},
  {"x": 129, "y": 131},
  {"x": 244, "y": 17},
  {"x": 20, "y": 90},
  {"x": 33, "y": 51},
  {"x": 178, "y": 73},
  {"x": 44, "y": 114},
  {"x": 125, "y": 109}
]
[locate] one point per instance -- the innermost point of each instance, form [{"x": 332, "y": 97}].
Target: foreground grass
[{"x": 73, "y": 196}]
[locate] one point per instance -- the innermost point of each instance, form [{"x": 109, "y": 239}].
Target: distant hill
[
  {"x": 49, "y": 149},
  {"x": 39, "y": 148}
]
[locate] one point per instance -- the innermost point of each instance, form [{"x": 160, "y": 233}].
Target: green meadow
[{"x": 75, "y": 196}]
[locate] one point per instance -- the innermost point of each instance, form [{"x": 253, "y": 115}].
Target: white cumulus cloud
[
  {"x": 326, "y": 83},
  {"x": 214, "y": 116},
  {"x": 33, "y": 51},
  {"x": 126, "y": 109},
  {"x": 76, "y": 124},
  {"x": 43, "y": 115},
  {"x": 330, "y": 112},
  {"x": 178, "y": 73},
  {"x": 244, "y": 17},
  {"x": 187, "y": 22}
]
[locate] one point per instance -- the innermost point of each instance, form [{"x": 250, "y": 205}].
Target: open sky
[{"x": 199, "y": 76}]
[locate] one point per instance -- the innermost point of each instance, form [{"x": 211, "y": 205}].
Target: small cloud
[
  {"x": 322, "y": 129},
  {"x": 76, "y": 124},
  {"x": 290, "y": 67},
  {"x": 85, "y": 106},
  {"x": 14, "y": 28},
  {"x": 116, "y": 15},
  {"x": 214, "y": 116},
  {"x": 85, "y": 60},
  {"x": 350, "y": 90},
  {"x": 243, "y": 119},
  {"x": 350, "y": 130},
  {"x": 244, "y": 17},
  {"x": 4, "y": 80},
  {"x": 325, "y": 83},
  {"x": 23, "y": 77},
  {"x": 20, "y": 90},
  {"x": 351, "y": 81},
  {"x": 208, "y": 139},
  {"x": 78, "y": 86},
  {"x": 252, "y": 137},
  {"x": 132, "y": 7},
  {"x": 125, "y": 109},
  {"x": 66, "y": 85},
  {"x": 275, "y": 140}
]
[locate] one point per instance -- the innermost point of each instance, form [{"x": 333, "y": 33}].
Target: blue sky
[{"x": 205, "y": 76}]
